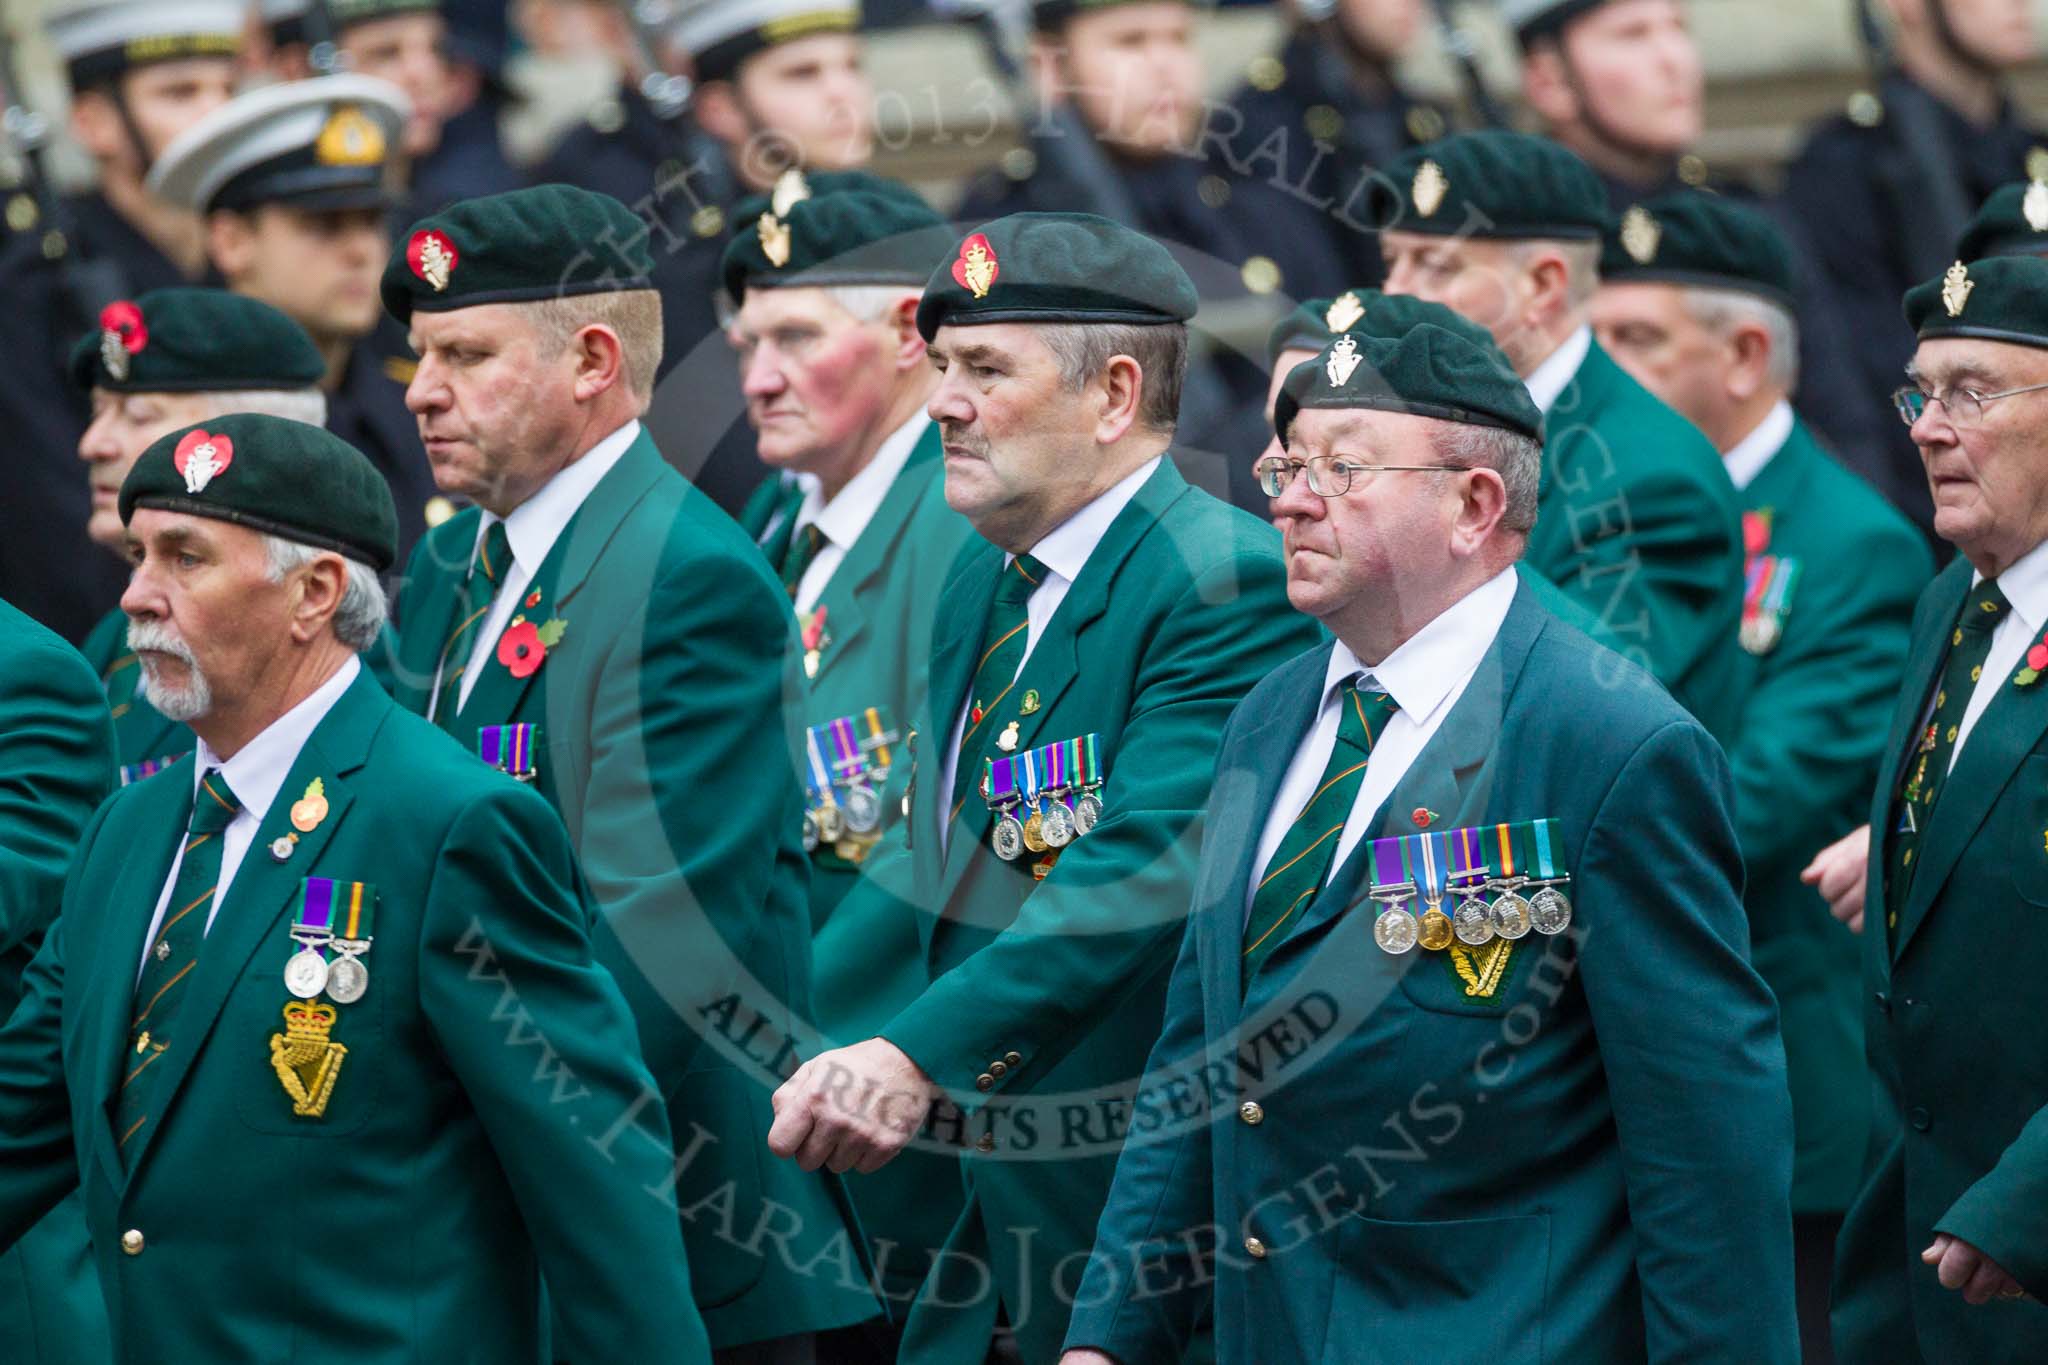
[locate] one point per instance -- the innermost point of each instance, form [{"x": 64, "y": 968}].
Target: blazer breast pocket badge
[{"x": 1482, "y": 872}]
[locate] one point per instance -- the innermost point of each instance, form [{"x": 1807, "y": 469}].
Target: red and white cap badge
[
  {"x": 432, "y": 257},
  {"x": 202, "y": 458},
  {"x": 976, "y": 270}
]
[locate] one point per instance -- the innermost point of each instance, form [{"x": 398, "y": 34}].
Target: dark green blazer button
[
  {"x": 1884, "y": 1004},
  {"x": 1919, "y": 1118}
]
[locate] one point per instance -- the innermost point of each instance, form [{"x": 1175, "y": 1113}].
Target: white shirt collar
[
  {"x": 1747, "y": 457},
  {"x": 260, "y": 767},
  {"x": 537, "y": 523},
  {"x": 2025, "y": 585},
  {"x": 847, "y": 515},
  {"x": 1547, "y": 380},
  {"x": 1431, "y": 663},
  {"x": 1065, "y": 549}
]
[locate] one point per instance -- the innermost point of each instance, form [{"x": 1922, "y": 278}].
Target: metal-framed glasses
[
  {"x": 1329, "y": 476},
  {"x": 1965, "y": 406}
]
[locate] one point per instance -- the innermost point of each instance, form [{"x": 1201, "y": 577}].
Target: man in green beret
[
  {"x": 272, "y": 1012},
  {"x": 1944, "y": 1254},
  {"x": 1086, "y": 650},
  {"x": 56, "y": 765},
  {"x": 1637, "y": 518},
  {"x": 163, "y": 361},
  {"x": 596, "y": 626},
  {"x": 828, "y": 272},
  {"x": 1463, "y": 1051},
  {"x": 294, "y": 182},
  {"x": 1696, "y": 301}
]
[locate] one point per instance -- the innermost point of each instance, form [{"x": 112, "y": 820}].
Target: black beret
[
  {"x": 547, "y": 242},
  {"x": 1509, "y": 186},
  {"x": 2013, "y": 221},
  {"x": 833, "y": 228},
  {"x": 2004, "y": 298},
  {"x": 1692, "y": 237},
  {"x": 1366, "y": 312},
  {"x": 287, "y": 479},
  {"x": 1056, "y": 267},
  {"x": 188, "y": 339},
  {"x": 1427, "y": 370}
]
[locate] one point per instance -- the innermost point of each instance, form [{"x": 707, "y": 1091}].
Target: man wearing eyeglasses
[
  {"x": 1944, "y": 1255},
  {"x": 1457, "y": 1144},
  {"x": 1698, "y": 305}
]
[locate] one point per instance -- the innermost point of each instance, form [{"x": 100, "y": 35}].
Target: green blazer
[
  {"x": 1044, "y": 995},
  {"x": 667, "y": 715},
  {"x": 1805, "y": 755},
  {"x": 1637, "y": 519},
  {"x": 1954, "y": 1032},
  {"x": 454, "y": 1165},
  {"x": 141, "y": 732},
  {"x": 866, "y": 958},
  {"x": 56, "y": 764},
  {"x": 1590, "y": 1165}
]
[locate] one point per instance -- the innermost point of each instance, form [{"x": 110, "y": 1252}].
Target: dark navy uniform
[{"x": 1862, "y": 195}]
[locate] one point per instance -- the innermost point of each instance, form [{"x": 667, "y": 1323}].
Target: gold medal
[
  {"x": 1034, "y": 833},
  {"x": 1436, "y": 932}
]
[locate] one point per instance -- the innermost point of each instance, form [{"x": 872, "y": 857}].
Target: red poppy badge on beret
[{"x": 122, "y": 334}]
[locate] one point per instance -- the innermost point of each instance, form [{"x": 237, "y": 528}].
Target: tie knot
[
  {"x": 1985, "y": 607},
  {"x": 493, "y": 552},
  {"x": 1365, "y": 713},
  {"x": 1020, "y": 580},
  {"x": 215, "y": 805}
]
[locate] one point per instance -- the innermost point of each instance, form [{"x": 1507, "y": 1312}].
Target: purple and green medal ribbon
[
  {"x": 999, "y": 781},
  {"x": 508, "y": 748},
  {"x": 849, "y": 763},
  {"x": 149, "y": 767},
  {"x": 1390, "y": 866},
  {"x": 1052, "y": 761},
  {"x": 1468, "y": 860},
  {"x": 336, "y": 909}
]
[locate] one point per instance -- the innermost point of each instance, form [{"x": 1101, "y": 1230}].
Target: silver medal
[
  {"x": 810, "y": 832},
  {"x": 1057, "y": 829},
  {"x": 1009, "y": 838},
  {"x": 347, "y": 979},
  {"x": 306, "y": 974},
  {"x": 1550, "y": 911},
  {"x": 1086, "y": 812},
  {"x": 863, "y": 809},
  {"x": 1471, "y": 923},
  {"x": 1509, "y": 916},
  {"x": 1395, "y": 930}
]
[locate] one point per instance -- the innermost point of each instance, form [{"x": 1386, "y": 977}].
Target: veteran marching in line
[{"x": 1557, "y": 890}]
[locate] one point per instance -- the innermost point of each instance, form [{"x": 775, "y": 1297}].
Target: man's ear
[
  {"x": 717, "y": 109},
  {"x": 231, "y": 243},
  {"x": 321, "y": 589},
  {"x": 600, "y": 361},
  {"x": 902, "y": 319},
  {"x": 1547, "y": 85},
  {"x": 96, "y": 125}
]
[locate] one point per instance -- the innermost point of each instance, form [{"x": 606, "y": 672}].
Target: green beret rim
[
  {"x": 2037, "y": 340},
  {"x": 193, "y": 507},
  {"x": 1540, "y": 232},
  {"x": 1704, "y": 279},
  {"x": 534, "y": 294},
  {"x": 1128, "y": 316},
  {"x": 1394, "y": 403},
  {"x": 825, "y": 277},
  {"x": 268, "y": 384}
]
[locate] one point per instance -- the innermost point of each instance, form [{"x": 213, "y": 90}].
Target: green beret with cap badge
[
  {"x": 1491, "y": 184},
  {"x": 523, "y": 246},
  {"x": 1056, "y": 267},
  {"x": 2013, "y": 221},
  {"x": 1367, "y": 312},
  {"x": 1427, "y": 370},
  {"x": 1693, "y": 238},
  {"x": 287, "y": 479},
  {"x": 832, "y": 228},
  {"x": 185, "y": 340},
  {"x": 2004, "y": 298}
]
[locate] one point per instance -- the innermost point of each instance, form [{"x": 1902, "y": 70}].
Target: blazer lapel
[
  {"x": 266, "y": 890},
  {"x": 116, "y": 960},
  {"x": 862, "y": 575},
  {"x": 953, "y": 651}
]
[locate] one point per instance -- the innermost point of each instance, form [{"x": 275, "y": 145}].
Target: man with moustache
[
  {"x": 1640, "y": 523},
  {"x": 267, "y": 1071},
  {"x": 1543, "y": 1112},
  {"x": 1944, "y": 1254},
  {"x": 596, "y": 626},
  {"x": 294, "y": 182},
  {"x": 1696, "y": 301},
  {"x": 163, "y": 361},
  {"x": 1085, "y": 653}
]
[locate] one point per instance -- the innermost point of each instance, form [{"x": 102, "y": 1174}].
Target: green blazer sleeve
[
  {"x": 1162, "y": 1190},
  {"x": 2004, "y": 1214},
  {"x": 504, "y": 920},
  {"x": 700, "y": 739},
  {"x": 1084, "y": 938},
  {"x": 56, "y": 765},
  {"x": 1689, "y": 1040}
]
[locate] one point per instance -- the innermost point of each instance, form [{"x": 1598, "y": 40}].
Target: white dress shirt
[
  {"x": 1546, "y": 383},
  {"x": 848, "y": 514},
  {"x": 1063, "y": 552},
  {"x": 2025, "y": 585},
  {"x": 1426, "y": 676},
  {"x": 532, "y": 530},
  {"x": 254, "y": 774},
  {"x": 1747, "y": 457}
]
